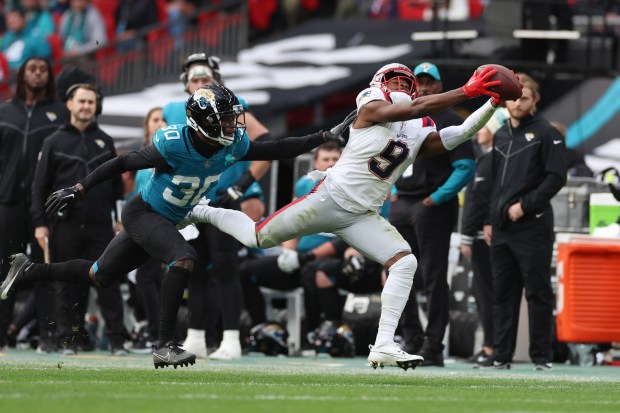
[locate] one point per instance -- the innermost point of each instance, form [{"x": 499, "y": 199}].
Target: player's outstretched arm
[
  {"x": 449, "y": 138},
  {"x": 62, "y": 199},
  {"x": 295, "y": 146},
  {"x": 383, "y": 111}
]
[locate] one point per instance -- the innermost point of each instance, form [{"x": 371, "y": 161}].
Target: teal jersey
[
  {"x": 175, "y": 192},
  {"x": 174, "y": 113},
  {"x": 307, "y": 243}
]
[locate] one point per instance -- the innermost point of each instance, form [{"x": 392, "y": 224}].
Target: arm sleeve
[
  {"x": 283, "y": 148},
  {"x": 463, "y": 173},
  {"x": 453, "y": 136},
  {"x": 148, "y": 157},
  {"x": 553, "y": 155}
]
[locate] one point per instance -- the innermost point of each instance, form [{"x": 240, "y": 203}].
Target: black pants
[
  {"x": 521, "y": 258},
  {"x": 70, "y": 240},
  {"x": 223, "y": 266},
  {"x": 148, "y": 285},
  {"x": 17, "y": 231},
  {"x": 428, "y": 231},
  {"x": 482, "y": 287},
  {"x": 263, "y": 272}
]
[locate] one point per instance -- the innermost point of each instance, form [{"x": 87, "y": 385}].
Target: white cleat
[
  {"x": 227, "y": 351},
  {"x": 196, "y": 346},
  {"x": 392, "y": 355}
]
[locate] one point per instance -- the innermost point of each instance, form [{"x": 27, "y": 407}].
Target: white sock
[
  {"x": 231, "y": 336},
  {"x": 234, "y": 223},
  {"x": 394, "y": 297},
  {"x": 195, "y": 334}
]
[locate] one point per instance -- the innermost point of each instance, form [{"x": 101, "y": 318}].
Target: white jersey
[{"x": 374, "y": 158}]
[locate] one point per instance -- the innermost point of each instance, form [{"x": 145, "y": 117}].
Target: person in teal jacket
[{"x": 18, "y": 44}]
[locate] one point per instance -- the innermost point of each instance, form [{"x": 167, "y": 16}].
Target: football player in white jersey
[{"x": 391, "y": 129}]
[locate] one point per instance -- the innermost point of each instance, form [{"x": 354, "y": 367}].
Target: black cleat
[
  {"x": 171, "y": 354},
  {"x": 14, "y": 278}
]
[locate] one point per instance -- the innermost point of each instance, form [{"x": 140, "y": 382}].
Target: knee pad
[
  {"x": 105, "y": 279},
  {"x": 407, "y": 265},
  {"x": 186, "y": 253}
]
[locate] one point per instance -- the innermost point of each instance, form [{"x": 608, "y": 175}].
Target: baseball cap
[{"x": 427, "y": 68}]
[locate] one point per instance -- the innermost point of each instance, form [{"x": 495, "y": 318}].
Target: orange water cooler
[{"x": 588, "y": 293}]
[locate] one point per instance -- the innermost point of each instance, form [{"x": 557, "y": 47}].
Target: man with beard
[
  {"x": 528, "y": 169},
  {"x": 25, "y": 120}
]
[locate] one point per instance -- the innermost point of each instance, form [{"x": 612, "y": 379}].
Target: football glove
[
  {"x": 353, "y": 267},
  {"x": 478, "y": 84},
  {"x": 340, "y": 132},
  {"x": 61, "y": 200},
  {"x": 290, "y": 260},
  {"x": 229, "y": 196}
]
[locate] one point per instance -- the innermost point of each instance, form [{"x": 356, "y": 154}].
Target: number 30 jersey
[
  {"x": 174, "y": 192},
  {"x": 375, "y": 157}
]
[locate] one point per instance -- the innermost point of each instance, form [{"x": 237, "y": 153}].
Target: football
[{"x": 510, "y": 89}]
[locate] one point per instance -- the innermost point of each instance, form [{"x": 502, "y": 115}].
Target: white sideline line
[
  {"x": 444, "y": 35},
  {"x": 546, "y": 34}
]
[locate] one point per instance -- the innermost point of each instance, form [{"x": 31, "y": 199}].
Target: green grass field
[{"x": 95, "y": 382}]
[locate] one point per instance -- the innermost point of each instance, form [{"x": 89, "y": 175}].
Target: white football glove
[{"x": 288, "y": 260}]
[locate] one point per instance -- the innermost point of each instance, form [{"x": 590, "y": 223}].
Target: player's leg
[
  {"x": 307, "y": 215},
  {"x": 120, "y": 257},
  {"x": 224, "y": 260},
  {"x": 158, "y": 237},
  {"x": 378, "y": 240}
]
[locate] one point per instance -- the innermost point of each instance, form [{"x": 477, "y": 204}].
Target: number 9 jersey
[
  {"x": 173, "y": 196},
  {"x": 375, "y": 157}
]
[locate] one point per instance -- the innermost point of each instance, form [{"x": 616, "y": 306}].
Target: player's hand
[
  {"x": 340, "y": 132},
  {"x": 479, "y": 83},
  {"x": 229, "y": 196},
  {"x": 496, "y": 102},
  {"x": 288, "y": 260},
  {"x": 353, "y": 267},
  {"x": 61, "y": 200}
]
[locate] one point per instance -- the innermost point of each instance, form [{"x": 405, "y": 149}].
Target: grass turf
[{"x": 97, "y": 383}]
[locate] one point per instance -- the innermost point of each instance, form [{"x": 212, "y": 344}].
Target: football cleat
[
  {"x": 171, "y": 354},
  {"x": 18, "y": 264},
  {"x": 392, "y": 355}
]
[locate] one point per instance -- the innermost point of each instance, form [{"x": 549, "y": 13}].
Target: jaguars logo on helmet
[
  {"x": 269, "y": 338},
  {"x": 335, "y": 339},
  {"x": 215, "y": 112}
]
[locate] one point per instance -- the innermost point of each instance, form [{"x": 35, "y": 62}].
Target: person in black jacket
[
  {"x": 425, "y": 211},
  {"x": 73, "y": 151},
  {"x": 25, "y": 121},
  {"x": 473, "y": 245},
  {"x": 529, "y": 168}
]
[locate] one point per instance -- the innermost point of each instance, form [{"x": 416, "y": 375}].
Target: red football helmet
[{"x": 399, "y": 71}]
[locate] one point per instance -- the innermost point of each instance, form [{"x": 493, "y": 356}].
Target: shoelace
[{"x": 175, "y": 348}]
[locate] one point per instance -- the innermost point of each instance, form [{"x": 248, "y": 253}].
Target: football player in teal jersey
[{"x": 188, "y": 160}]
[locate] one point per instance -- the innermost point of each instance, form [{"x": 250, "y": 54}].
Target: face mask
[{"x": 400, "y": 97}]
